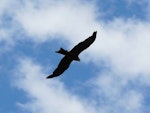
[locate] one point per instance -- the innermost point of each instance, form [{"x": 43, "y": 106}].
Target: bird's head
[{"x": 77, "y": 59}]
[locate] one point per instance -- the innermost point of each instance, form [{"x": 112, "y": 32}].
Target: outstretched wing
[
  {"x": 84, "y": 44},
  {"x": 62, "y": 66}
]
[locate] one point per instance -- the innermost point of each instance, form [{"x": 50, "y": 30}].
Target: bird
[{"x": 72, "y": 55}]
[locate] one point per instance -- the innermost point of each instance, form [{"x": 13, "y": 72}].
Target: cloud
[
  {"x": 4, "y": 5},
  {"x": 66, "y": 18},
  {"x": 72, "y": 20},
  {"x": 5, "y": 40},
  {"x": 4, "y": 35},
  {"x": 144, "y": 5},
  {"x": 46, "y": 96},
  {"x": 125, "y": 45},
  {"x": 8, "y": 26},
  {"x": 122, "y": 45},
  {"x": 115, "y": 94}
]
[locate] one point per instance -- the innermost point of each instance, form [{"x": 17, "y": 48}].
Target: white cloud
[
  {"x": 4, "y": 5},
  {"x": 5, "y": 41},
  {"x": 46, "y": 96},
  {"x": 8, "y": 26},
  {"x": 122, "y": 44},
  {"x": 4, "y": 37},
  {"x": 115, "y": 94},
  {"x": 67, "y": 18},
  {"x": 145, "y": 6}
]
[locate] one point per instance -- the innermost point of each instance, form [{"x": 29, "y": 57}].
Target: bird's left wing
[{"x": 62, "y": 66}]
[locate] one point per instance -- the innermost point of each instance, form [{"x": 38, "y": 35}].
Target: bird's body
[{"x": 71, "y": 55}]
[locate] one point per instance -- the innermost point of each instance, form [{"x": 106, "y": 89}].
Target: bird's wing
[
  {"x": 64, "y": 63},
  {"x": 84, "y": 44},
  {"x": 62, "y": 66}
]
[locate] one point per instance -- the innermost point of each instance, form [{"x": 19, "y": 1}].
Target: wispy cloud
[
  {"x": 8, "y": 26},
  {"x": 123, "y": 45},
  {"x": 115, "y": 94},
  {"x": 67, "y": 18},
  {"x": 144, "y": 4},
  {"x": 111, "y": 93},
  {"x": 46, "y": 96}
]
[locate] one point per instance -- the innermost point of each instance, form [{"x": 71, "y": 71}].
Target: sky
[{"x": 113, "y": 75}]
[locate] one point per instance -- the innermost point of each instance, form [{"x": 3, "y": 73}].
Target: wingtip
[
  {"x": 48, "y": 77},
  {"x": 51, "y": 76},
  {"x": 94, "y": 33}
]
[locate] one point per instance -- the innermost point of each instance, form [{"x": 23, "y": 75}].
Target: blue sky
[{"x": 113, "y": 75}]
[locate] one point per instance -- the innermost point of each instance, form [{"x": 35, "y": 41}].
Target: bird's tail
[{"x": 62, "y": 51}]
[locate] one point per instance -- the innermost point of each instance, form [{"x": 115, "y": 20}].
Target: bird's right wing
[{"x": 84, "y": 44}]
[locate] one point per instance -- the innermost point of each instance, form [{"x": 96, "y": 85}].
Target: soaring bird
[{"x": 69, "y": 56}]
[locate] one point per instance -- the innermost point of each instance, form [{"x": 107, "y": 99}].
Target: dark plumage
[{"x": 72, "y": 55}]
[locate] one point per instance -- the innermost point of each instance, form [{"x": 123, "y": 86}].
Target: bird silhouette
[{"x": 69, "y": 56}]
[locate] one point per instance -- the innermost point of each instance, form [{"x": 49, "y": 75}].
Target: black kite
[{"x": 72, "y": 55}]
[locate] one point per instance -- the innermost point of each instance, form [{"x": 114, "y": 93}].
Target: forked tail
[{"x": 62, "y": 51}]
